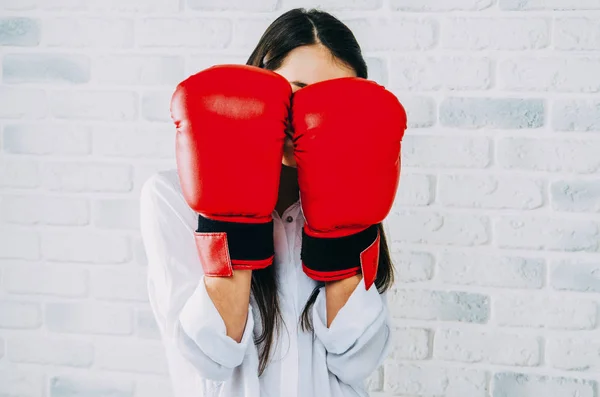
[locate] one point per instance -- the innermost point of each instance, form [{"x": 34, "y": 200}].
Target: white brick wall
[{"x": 495, "y": 232}]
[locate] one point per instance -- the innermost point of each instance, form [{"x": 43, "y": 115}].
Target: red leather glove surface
[
  {"x": 230, "y": 123},
  {"x": 348, "y": 134}
]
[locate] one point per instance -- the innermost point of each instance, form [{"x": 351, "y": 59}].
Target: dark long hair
[{"x": 295, "y": 28}]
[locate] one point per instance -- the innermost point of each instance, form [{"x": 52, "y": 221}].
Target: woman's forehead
[{"x": 311, "y": 64}]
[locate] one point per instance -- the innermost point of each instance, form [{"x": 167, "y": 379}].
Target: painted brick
[
  {"x": 87, "y": 177},
  {"x": 544, "y": 311},
  {"x": 18, "y": 5},
  {"x": 132, "y": 356},
  {"x": 337, "y": 5},
  {"x": 439, "y": 305},
  {"x": 94, "y": 105},
  {"x": 550, "y": 74},
  {"x": 89, "y": 32},
  {"x": 19, "y": 31},
  {"x": 554, "y": 155},
  {"x": 233, "y": 5},
  {"x": 43, "y": 209},
  {"x": 435, "y": 73},
  {"x": 50, "y": 351},
  {"x": 474, "y": 191},
  {"x": 491, "y": 271},
  {"x": 437, "y": 228},
  {"x": 140, "y": 142},
  {"x": 415, "y": 190},
  {"x": 22, "y": 103},
  {"x": 374, "y": 383},
  {"x": 46, "y": 68},
  {"x": 14, "y": 5},
  {"x": 21, "y": 383},
  {"x": 412, "y": 380},
  {"x": 487, "y": 347},
  {"x": 139, "y": 6},
  {"x": 19, "y": 174},
  {"x": 575, "y": 196},
  {"x": 153, "y": 388},
  {"x": 574, "y": 354},
  {"x": 18, "y": 243},
  {"x": 92, "y": 5},
  {"x": 19, "y": 315},
  {"x": 70, "y": 386},
  {"x": 377, "y": 68},
  {"x": 206, "y": 33},
  {"x": 436, "y": 6},
  {"x": 576, "y": 115},
  {"x": 518, "y": 5},
  {"x": 53, "y": 139},
  {"x": 117, "y": 214},
  {"x": 139, "y": 69},
  {"x": 445, "y": 152},
  {"x": 199, "y": 62},
  {"x": 247, "y": 32},
  {"x": 127, "y": 284},
  {"x": 412, "y": 266},
  {"x": 496, "y": 33},
  {"x": 410, "y": 344},
  {"x": 509, "y": 384},
  {"x": 156, "y": 105},
  {"x": 550, "y": 234},
  {"x": 574, "y": 34},
  {"x": 400, "y": 34},
  {"x": 502, "y": 113},
  {"x": 576, "y": 275},
  {"x": 85, "y": 247},
  {"x": 88, "y": 318},
  {"x": 421, "y": 112},
  {"x": 46, "y": 280}
]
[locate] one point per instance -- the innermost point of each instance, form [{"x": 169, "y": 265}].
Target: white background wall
[{"x": 496, "y": 229}]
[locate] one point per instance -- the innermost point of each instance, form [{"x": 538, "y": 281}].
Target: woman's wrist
[
  {"x": 337, "y": 294},
  {"x": 231, "y": 297}
]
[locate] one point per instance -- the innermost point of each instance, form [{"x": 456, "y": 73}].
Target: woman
[{"x": 270, "y": 331}]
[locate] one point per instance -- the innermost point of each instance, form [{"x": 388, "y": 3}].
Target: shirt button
[{"x": 289, "y": 219}]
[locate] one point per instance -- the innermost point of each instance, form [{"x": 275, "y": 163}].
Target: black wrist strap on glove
[
  {"x": 246, "y": 241},
  {"x": 335, "y": 255}
]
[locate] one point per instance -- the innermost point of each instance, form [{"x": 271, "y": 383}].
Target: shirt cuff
[
  {"x": 201, "y": 321},
  {"x": 360, "y": 311}
]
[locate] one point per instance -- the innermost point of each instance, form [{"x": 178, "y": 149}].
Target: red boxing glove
[
  {"x": 230, "y": 123},
  {"x": 347, "y": 134}
]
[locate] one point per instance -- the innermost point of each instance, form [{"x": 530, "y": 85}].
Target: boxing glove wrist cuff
[
  {"x": 225, "y": 246},
  {"x": 330, "y": 259}
]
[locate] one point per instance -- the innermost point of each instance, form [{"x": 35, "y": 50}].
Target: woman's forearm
[
  {"x": 337, "y": 294},
  {"x": 231, "y": 297}
]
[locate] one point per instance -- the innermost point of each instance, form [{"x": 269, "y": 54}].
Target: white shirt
[{"x": 204, "y": 362}]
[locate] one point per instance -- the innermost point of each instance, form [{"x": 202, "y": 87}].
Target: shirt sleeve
[
  {"x": 190, "y": 325},
  {"x": 358, "y": 339}
]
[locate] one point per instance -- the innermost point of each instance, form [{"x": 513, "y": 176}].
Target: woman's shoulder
[{"x": 165, "y": 181}]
